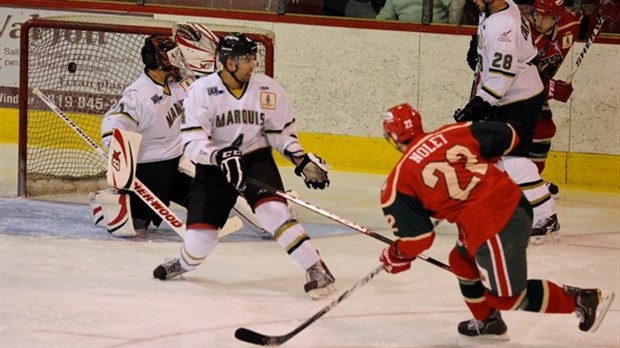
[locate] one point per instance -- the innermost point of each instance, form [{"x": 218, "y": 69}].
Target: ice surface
[{"x": 66, "y": 283}]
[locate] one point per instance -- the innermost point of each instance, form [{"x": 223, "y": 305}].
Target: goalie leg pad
[{"x": 111, "y": 209}]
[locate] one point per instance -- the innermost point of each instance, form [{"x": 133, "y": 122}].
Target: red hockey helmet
[
  {"x": 549, "y": 8},
  {"x": 401, "y": 124}
]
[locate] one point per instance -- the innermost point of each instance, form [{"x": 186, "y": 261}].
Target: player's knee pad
[
  {"x": 508, "y": 303},
  {"x": 272, "y": 215},
  {"x": 110, "y": 209},
  {"x": 520, "y": 169},
  {"x": 463, "y": 266},
  {"x": 197, "y": 245}
]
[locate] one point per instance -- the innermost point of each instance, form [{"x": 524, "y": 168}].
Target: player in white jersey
[
  {"x": 508, "y": 88},
  {"x": 153, "y": 106},
  {"x": 233, "y": 121}
]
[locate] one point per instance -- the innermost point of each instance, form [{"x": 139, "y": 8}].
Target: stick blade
[{"x": 254, "y": 337}]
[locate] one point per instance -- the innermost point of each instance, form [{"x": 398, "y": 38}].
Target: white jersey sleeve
[
  {"x": 196, "y": 128},
  {"x": 506, "y": 51},
  {"x": 123, "y": 115},
  {"x": 154, "y": 111},
  {"x": 280, "y": 129}
]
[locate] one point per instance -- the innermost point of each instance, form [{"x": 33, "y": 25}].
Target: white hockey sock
[
  {"x": 197, "y": 245},
  {"x": 294, "y": 240},
  {"x": 524, "y": 172},
  {"x": 277, "y": 219}
]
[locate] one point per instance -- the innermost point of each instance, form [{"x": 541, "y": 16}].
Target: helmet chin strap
[{"x": 233, "y": 74}]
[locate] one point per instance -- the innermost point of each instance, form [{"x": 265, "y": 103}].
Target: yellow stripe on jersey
[
  {"x": 127, "y": 116},
  {"x": 191, "y": 129},
  {"x": 491, "y": 92},
  {"x": 502, "y": 72}
]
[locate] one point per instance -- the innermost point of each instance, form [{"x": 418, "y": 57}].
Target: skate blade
[
  {"x": 602, "y": 309},
  {"x": 502, "y": 337},
  {"x": 550, "y": 238},
  {"x": 321, "y": 293}
]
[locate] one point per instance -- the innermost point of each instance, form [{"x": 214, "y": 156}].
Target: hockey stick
[
  {"x": 338, "y": 219},
  {"x": 254, "y": 337},
  {"x": 474, "y": 84},
  {"x": 138, "y": 188},
  {"x": 600, "y": 20}
]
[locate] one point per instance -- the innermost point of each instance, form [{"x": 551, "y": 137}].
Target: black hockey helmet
[
  {"x": 235, "y": 45},
  {"x": 154, "y": 52}
]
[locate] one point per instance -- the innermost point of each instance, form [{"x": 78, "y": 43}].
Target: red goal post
[{"x": 83, "y": 64}]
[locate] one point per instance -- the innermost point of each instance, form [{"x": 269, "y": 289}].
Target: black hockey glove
[
  {"x": 314, "y": 171},
  {"x": 476, "y": 110},
  {"x": 230, "y": 161},
  {"x": 472, "y": 53}
]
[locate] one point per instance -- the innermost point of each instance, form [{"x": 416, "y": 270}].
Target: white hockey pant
[{"x": 524, "y": 172}]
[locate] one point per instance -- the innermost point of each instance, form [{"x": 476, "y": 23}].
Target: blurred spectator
[
  {"x": 444, "y": 11},
  {"x": 376, "y": 5},
  {"x": 363, "y": 8},
  {"x": 334, "y": 7},
  {"x": 311, "y": 7}
]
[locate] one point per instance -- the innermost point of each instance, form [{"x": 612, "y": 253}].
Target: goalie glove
[
  {"x": 230, "y": 161},
  {"x": 313, "y": 170},
  {"x": 393, "y": 262},
  {"x": 559, "y": 90},
  {"x": 476, "y": 110},
  {"x": 198, "y": 46}
]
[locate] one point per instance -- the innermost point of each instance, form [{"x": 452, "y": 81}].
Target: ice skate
[
  {"x": 546, "y": 230},
  {"x": 168, "y": 270},
  {"x": 591, "y": 306},
  {"x": 320, "y": 281},
  {"x": 491, "y": 328},
  {"x": 554, "y": 190}
]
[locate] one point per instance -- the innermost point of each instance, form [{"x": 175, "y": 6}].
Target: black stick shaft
[{"x": 254, "y": 337}]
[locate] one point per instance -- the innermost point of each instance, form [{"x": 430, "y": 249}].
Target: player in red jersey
[
  {"x": 450, "y": 174},
  {"x": 554, "y": 31}
]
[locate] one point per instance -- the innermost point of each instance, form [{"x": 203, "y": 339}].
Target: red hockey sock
[{"x": 546, "y": 297}]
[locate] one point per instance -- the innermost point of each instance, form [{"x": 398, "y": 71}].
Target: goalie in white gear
[
  {"x": 152, "y": 106},
  {"x": 233, "y": 120}
]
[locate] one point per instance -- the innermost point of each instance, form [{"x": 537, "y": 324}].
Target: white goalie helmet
[{"x": 197, "y": 47}]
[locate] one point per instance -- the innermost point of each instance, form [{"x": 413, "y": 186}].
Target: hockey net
[{"x": 83, "y": 64}]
